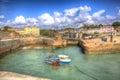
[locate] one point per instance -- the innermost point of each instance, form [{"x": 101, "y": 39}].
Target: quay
[
  {"x": 15, "y": 76},
  {"x": 97, "y": 46},
  {"x": 90, "y": 46},
  {"x": 9, "y": 45}
]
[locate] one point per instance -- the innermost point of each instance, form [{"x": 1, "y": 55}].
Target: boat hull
[
  {"x": 61, "y": 60},
  {"x": 64, "y": 63}
]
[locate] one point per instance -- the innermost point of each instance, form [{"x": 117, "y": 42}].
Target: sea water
[{"x": 83, "y": 66}]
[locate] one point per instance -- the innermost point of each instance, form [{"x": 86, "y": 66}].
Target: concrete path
[{"x": 15, "y": 76}]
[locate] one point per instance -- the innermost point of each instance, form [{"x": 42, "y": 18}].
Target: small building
[
  {"x": 73, "y": 35},
  {"x": 28, "y": 30},
  {"x": 35, "y": 31},
  {"x": 97, "y": 30},
  {"x": 106, "y": 29}
]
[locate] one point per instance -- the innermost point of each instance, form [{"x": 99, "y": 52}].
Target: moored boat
[
  {"x": 64, "y": 59},
  {"x": 57, "y": 61}
]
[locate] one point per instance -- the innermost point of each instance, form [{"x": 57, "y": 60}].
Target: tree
[
  {"x": 100, "y": 25},
  {"x": 116, "y": 24},
  {"x": 6, "y": 28},
  {"x": 48, "y": 33},
  {"x": 85, "y": 27}
]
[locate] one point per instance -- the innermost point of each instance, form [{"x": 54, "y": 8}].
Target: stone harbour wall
[
  {"x": 12, "y": 44},
  {"x": 72, "y": 42},
  {"x": 100, "y": 47}
]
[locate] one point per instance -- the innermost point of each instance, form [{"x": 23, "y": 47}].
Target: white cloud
[
  {"x": 73, "y": 17},
  {"x": 119, "y": 12},
  {"x": 58, "y": 18},
  {"x": 2, "y": 16},
  {"x": 57, "y": 14},
  {"x": 31, "y": 20},
  {"x": 8, "y": 21},
  {"x": 71, "y": 12},
  {"x": 1, "y": 23},
  {"x": 89, "y": 20},
  {"x": 19, "y": 20},
  {"x": 109, "y": 17},
  {"x": 46, "y": 19},
  {"x": 97, "y": 15},
  {"x": 85, "y": 8}
]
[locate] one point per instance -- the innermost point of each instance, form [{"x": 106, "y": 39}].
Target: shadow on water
[{"x": 2, "y": 55}]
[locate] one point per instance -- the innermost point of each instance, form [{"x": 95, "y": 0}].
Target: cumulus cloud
[
  {"x": 119, "y": 12},
  {"x": 31, "y": 21},
  {"x": 2, "y": 16},
  {"x": 98, "y": 15},
  {"x": 110, "y": 17},
  {"x": 71, "y": 12},
  {"x": 46, "y": 19},
  {"x": 85, "y": 8},
  {"x": 74, "y": 17},
  {"x": 1, "y": 23},
  {"x": 57, "y": 14},
  {"x": 19, "y": 20}
]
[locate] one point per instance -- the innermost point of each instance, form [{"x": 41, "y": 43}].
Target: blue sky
[{"x": 58, "y": 13}]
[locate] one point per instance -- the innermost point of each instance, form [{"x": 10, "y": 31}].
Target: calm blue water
[{"x": 83, "y": 67}]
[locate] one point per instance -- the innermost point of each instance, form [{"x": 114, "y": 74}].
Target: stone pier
[
  {"x": 12, "y": 44},
  {"x": 97, "y": 46}
]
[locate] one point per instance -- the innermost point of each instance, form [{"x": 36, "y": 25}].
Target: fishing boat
[
  {"x": 58, "y": 61},
  {"x": 64, "y": 59}
]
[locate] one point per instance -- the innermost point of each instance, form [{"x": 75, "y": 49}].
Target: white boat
[
  {"x": 58, "y": 61},
  {"x": 64, "y": 59}
]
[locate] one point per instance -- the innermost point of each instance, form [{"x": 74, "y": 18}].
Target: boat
[
  {"x": 58, "y": 61},
  {"x": 64, "y": 59}
]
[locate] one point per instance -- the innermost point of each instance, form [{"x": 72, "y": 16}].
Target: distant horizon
[{"x": 60, "y": 14}]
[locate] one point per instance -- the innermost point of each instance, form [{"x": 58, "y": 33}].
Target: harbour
[
  {"x": 59, "y": 40},
  {"x": 83, "y": 66}
]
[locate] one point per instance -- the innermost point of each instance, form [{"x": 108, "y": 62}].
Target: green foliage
[
  {"x": 116, "y": 24},
  {"x": 100, "y": 25},
  {"x": 48, "y": 33},
  {"x": 6, "y": 28},
  {"x": 69, "y": 28},
  {"x": 86, "y": 27}
]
